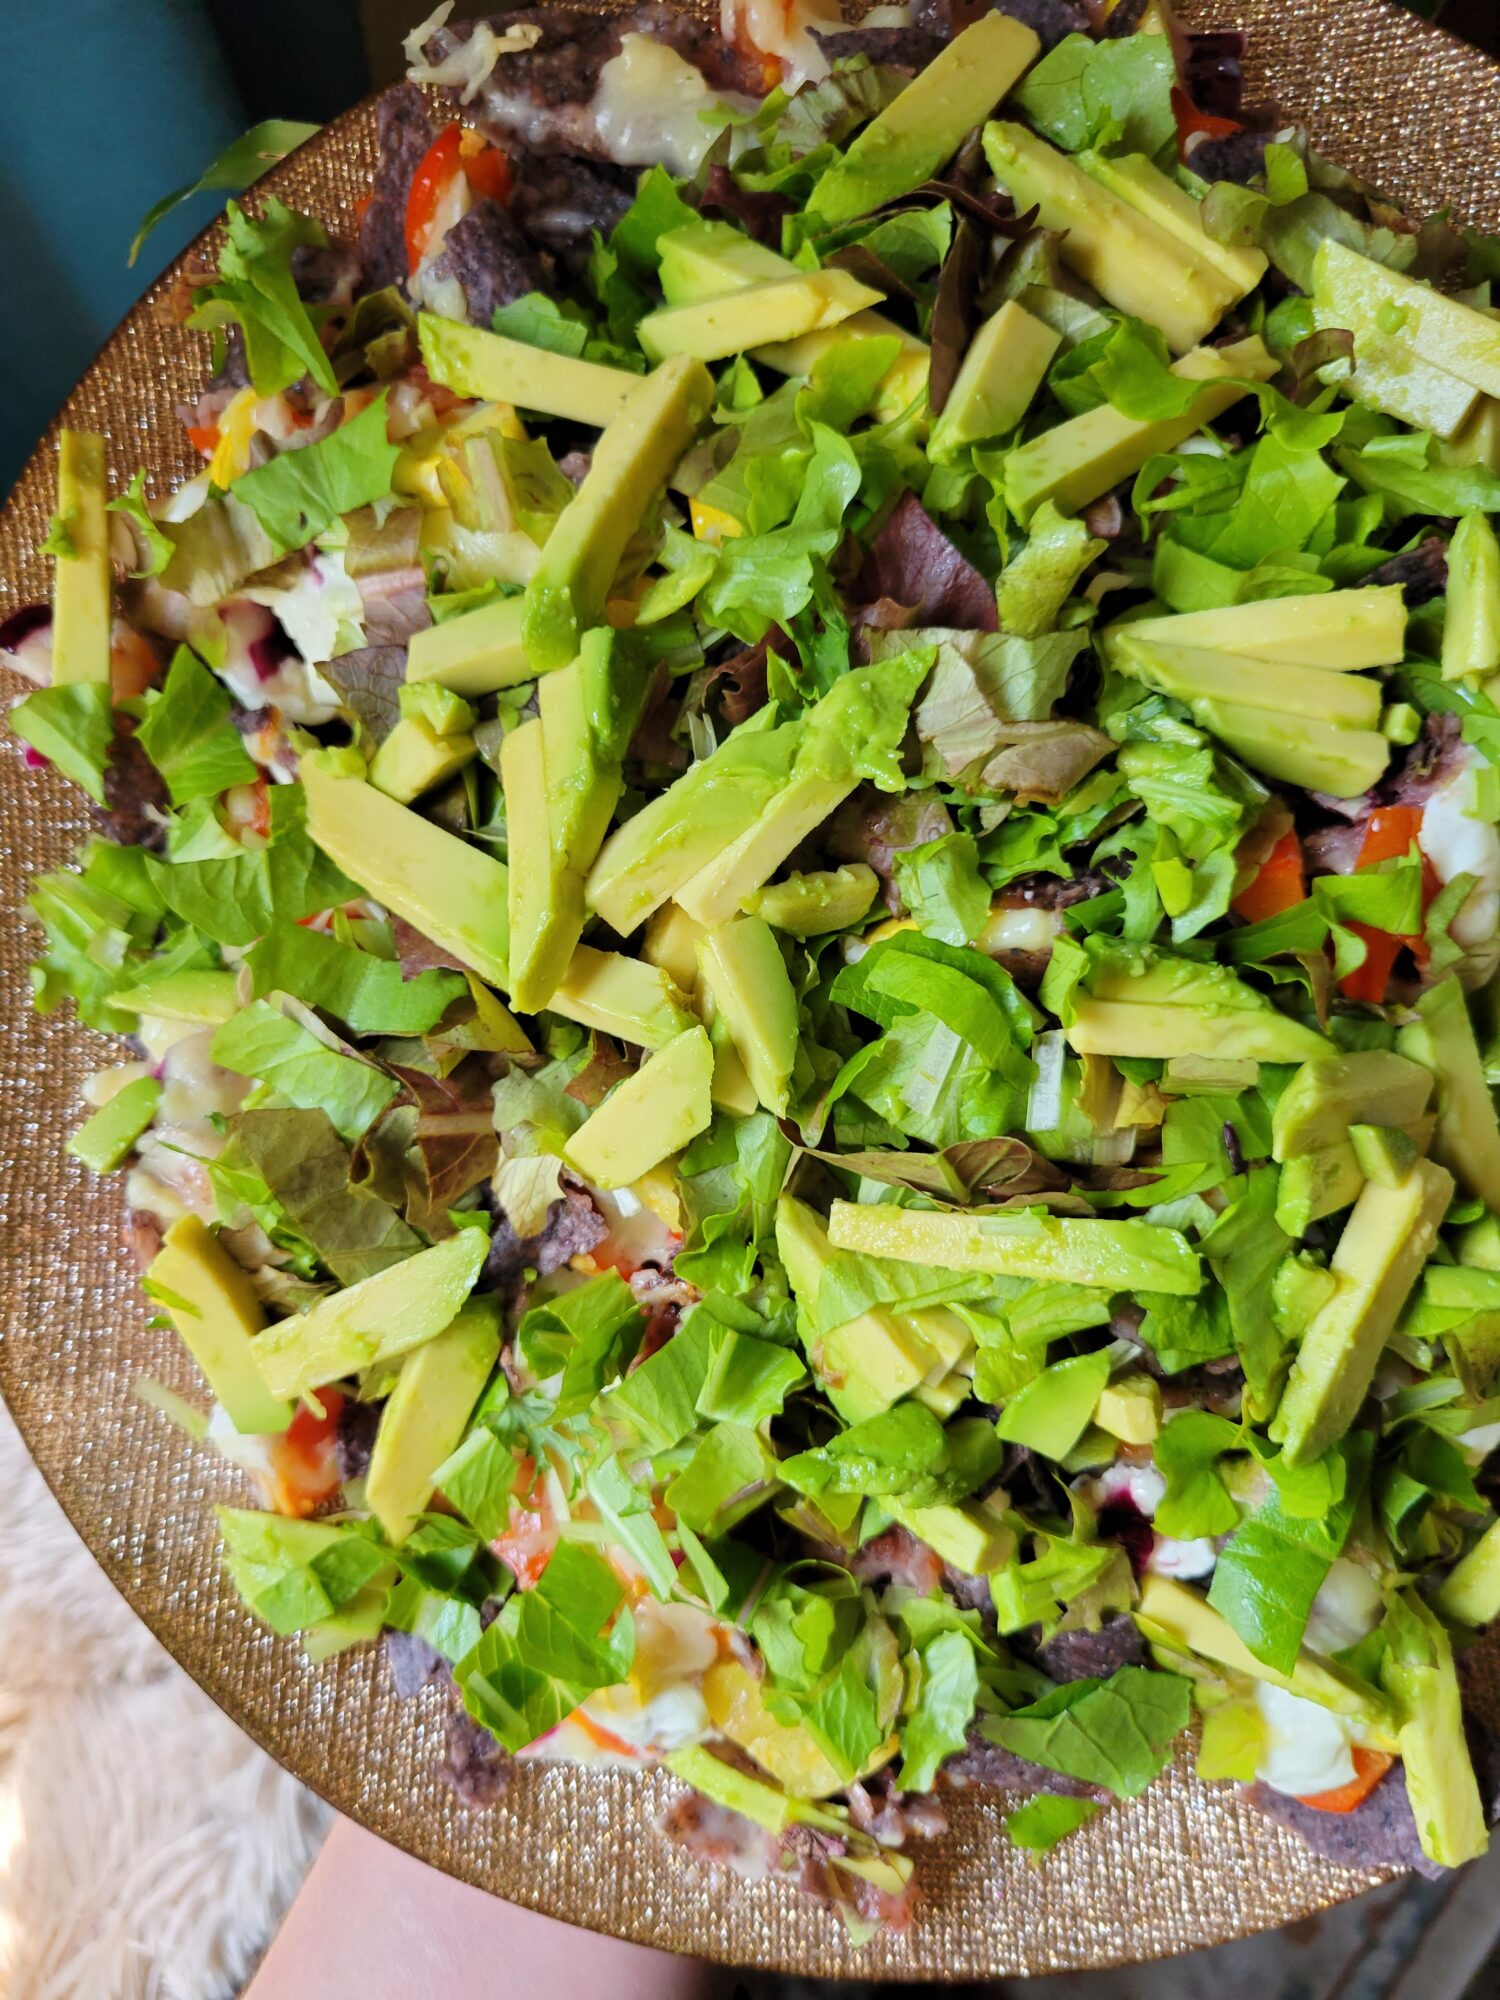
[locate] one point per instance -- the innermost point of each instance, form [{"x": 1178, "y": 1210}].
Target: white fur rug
[{"x": 147, "y": 1847}]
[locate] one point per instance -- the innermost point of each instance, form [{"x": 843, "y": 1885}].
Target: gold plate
[{"x": 1186, "y": 1865}]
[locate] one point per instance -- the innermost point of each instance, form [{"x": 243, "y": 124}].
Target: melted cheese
[
  {"x": 1458, "y": 840},
  {"x": 1308, "y": 1749},
  {"x": 649, "y": 105}
]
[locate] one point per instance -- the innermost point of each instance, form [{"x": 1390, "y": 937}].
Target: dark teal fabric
[{"x": 105, "y": 105}]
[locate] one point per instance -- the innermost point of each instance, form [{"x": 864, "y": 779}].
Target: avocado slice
[
  {"x": 1004, "y": 366},
  {"x": 81, "y": 575},
  {"x": 1027, "y": 1243},
  {"x": 1319, "y": 756},
  {"x": 674, "y": 835},
  {"x": 1441, "y": 331},
  {"x": 737, "y": 871},
  {"x": 1329, "y": 1094},
  {"x": 589, "y": 711},
  {"x": 789, "y": 1751},
  {"x": 107, "y": 1140},
  {"x": 927, "y": 123},
  {"x": 478, "y": 652},
  {"x": 704, "y": 260},
  {"x": 414, "y": 758},
  {"x": 473, "y": 362},
  {"x": 1153, "y": 1005},
  {"x": 752, "y": 991},
  {"x": 1477, "y": 440},
  {"x": 1470, "y": 1593},
  {"x": 971, "y": 1535},
  {"x": 670, "y": 940},
  {"x": 1318, "y": 1183},
  {"x": 649, "y": 1116},
  {"x": 1417, "y": 1669},
  {"x": 1467, "y": 1139},
  {"x": 1130, "y": 1409},
  {"x": 424, "y": 1417},
  {"x": 1193, "y": 674},
  {"x": 1384, "y": 1153},
  {"x": 373, "y": 1321},
  {"x": 452, "y": 892},
  {"x": 1338, "y": 630},
  {"x": 1380, "y": 1255},
  {"x": 1076, "y": 461},
  {"x": 868, "y": 1363},
  {"x": 1146, "y": 189},
  {"x": 1189, "y": 1623},
  {"x": 814, "y": 903},
  {"x": 775, "y": 309},
  {"x": 212, "y": 1304},
  {"x": 209, "y": 997},
  {"x": 545, "y": 895},
  {"x": 1135, "y": 263},
  {"x": 631, "y": 463},
  {"x": 1471, "y": 624},
  {"x": 622, "y": 997}
]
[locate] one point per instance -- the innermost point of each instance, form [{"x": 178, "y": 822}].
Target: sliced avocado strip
[
  {"x": 1130, "y": 1409},
  {"x": 1471, "y": 623},
  {"x": 472, "y": 362},
  {"x": 944, "y": 1396},
  {"x": 1439, "y": 330},
  {"x": 424, "y": 1417},
  {"x": 1470, "y": 1593},
  {"x": 704, "y": 260},
  {"x": 1467, "y": 1139},
  {"x": 1209, "y": 1076},
  {"x": 107, "y": 1140},
  {"x": 590, "y": 710},
  {"x": 1193, "y": 674},
  {"x": 1189, "y": 1623},
  {"x": 822, "y": 900},
  {"x": 1477, "y": 440},
  {"x": 373, "y": 1321},
  {"x": 478, "y": 652},
  {"x": 971, "y": 1535},
  {"x": 1328, "y": 1095},
  {"x": 1132, "y": 261},
  {"x": 1171, "y": 1007},
  {"x": 670, "y": 940},
  {"x": 1385, "y": 1154},
  {"x": 868, "y": 1363},
  {"x": 904, "y": 382},
  {"x": 631, "y": 463},
  {"x": 441, "y": 711},
  {"x": 752, "y": 990},
  {"x": 677, "y": 833},
  {"x": 1417, "y": 1670},
  {"x": 732, "y": 1089},
  {"x": 545, "y": 894},
  {"x": 1319, "y": 756},
  {"x": 212, "y": 1304},
  {"x": 649, "y": 1116},
  {"x": 450, "y": 891},
  {"x": 182, "y": 996},
  {"x": 1076, "y": 461},
  {"x": 717, "y": 890},
  {"x": 81, "y": 574},
  {"x": 1385, "y": 1242},
  {"x": 622, "y": 997},
  {"x": 774, "y": 309},
  {"x": 414, "y": 758},
  {"x": 1004, "y": 366},
  {"x": 927, "y": 123},
  {"x": 1029, "y": 1243},
  {"x": 1338, "y": 630},
  {"x": 1318, "y": 1183},
  {"x": 1151, "y": 193}
]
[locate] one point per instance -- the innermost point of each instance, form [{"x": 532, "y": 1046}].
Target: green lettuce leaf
[
  {"x": 256, "y": 291},
  {"x": 1116, "y": 95},
  {"x": 1042, "y": 1822},
  {"x": 298, "y": 494},
  {"x": 941, "y": 886},
  {"x": 293, "y": 1573},
  {"x": 242, "y": 161},
  {"x": 366, "y": 993},
  {"x": 295, "y": 1066},
  {"x": 1117, "y": 1733},
  {"x": 188, "y": 735},
  {"x": 72, "y": 725},
  {"x": 938, "y": 1723},
  {"x": 237, "y": 898},
  {"x": 1187, "y": 1454},
  {"x": 586, "y": 1336},
  {"x": 549, "y": 1649}
]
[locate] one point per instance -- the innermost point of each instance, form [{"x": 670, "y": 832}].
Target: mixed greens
[{"x": 807, "y": 890}]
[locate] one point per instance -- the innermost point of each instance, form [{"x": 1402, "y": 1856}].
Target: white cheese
[
  {"x": 1307, "y": 1749},
  {"x": 1458, "y": 840}
]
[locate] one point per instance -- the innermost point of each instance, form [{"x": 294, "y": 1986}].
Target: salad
[{"x": 798, "y": 848}]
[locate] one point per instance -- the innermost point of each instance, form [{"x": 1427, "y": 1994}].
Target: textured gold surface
[{"x": 1187, "y": 1865}]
